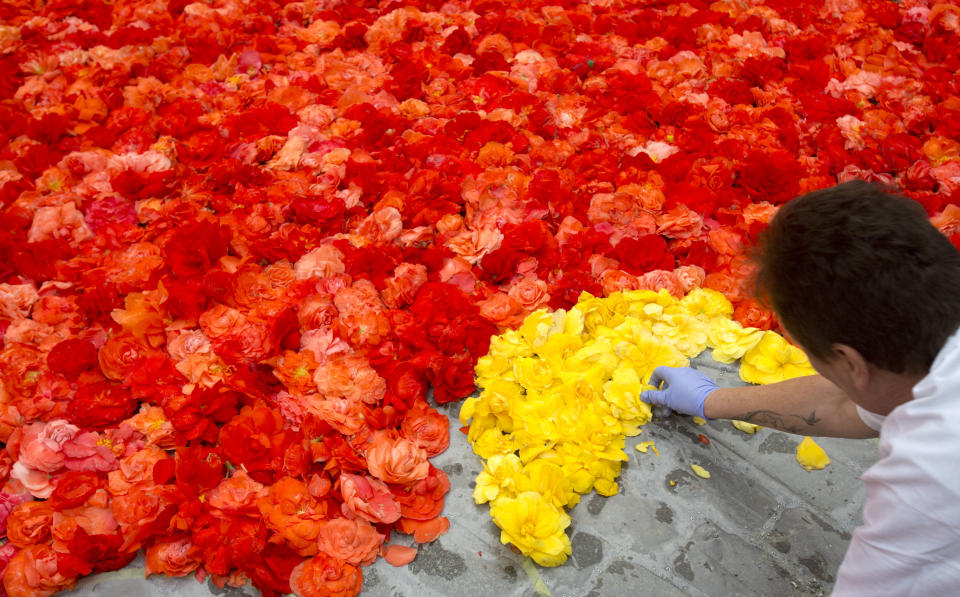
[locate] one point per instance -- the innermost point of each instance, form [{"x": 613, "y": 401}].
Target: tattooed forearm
[{"x": 771, "y": 418}]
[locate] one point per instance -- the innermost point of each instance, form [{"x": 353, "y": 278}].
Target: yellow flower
[
  {"x": 730, "y": 340},
  {"x": 622, "y": 393},
  {"x": 535, "y": 526},
  {"x": 648, "y": 306},
  {"x": 593, "y": 311},
  {"x": 499, "y": 477},
  {"x": 686, "y": 333},
  {"x": 534, "y": 417},
  {"x": 810, "y": 455},
  {"x": 648, "y": 353},
  {"x": 706, "y": 304},
  {"x": 491, "y": 443},
  {"x": 772, "y": 360},
  {"x": 547, "y": 479},
  {"x": 583, "y": 387},
  {"x": 559, "y": 347},
  {"x": 594, "y": 354},
  {"x": 534, "y": 374},
  {"x": 491, "y": 367},
  {"x": 509, "y": 345},
  {"x": 537, "y": 327}
]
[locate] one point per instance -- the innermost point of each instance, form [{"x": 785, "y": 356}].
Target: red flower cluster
[{"x": 239, "y": 241}]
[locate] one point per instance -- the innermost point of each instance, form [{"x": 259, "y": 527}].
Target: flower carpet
[{"x": 240, "y": 242}]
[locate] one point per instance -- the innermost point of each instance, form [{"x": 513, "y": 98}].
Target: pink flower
[
  {"x": 41, "y": 448},
  {"x": 89, "y": 451}
]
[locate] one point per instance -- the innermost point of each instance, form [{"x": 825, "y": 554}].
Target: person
[{"x": 861, "y": 280}]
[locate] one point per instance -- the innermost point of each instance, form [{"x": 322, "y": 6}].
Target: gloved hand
[{"x": 684, "y": 390}]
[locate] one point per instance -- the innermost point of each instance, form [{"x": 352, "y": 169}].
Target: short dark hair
[{"x": 860, "y": 264}]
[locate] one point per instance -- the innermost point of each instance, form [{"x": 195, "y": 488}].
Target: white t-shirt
[{"x": 909, "y": 543}]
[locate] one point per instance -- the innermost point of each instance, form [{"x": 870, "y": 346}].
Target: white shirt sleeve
[
  {"x": 871, "y": 420},
  {"x": 899, "y": 551}
]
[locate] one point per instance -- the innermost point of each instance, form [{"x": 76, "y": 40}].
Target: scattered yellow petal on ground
[
  {"x": 700, "y": 421},
  {"x": 700, "y": 471},
  {"x": 643, "y": 446},
  {"x": 746, "y": 427},
  {"x": 810, "y": 455}
]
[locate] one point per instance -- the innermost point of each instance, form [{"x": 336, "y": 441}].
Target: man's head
[{"x": 859, "y": 267}]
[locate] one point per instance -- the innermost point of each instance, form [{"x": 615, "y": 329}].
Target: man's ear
[{"x": 854, "y": 364}]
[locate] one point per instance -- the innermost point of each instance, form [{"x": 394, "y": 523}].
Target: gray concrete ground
[{"x": 760, "y": 525}]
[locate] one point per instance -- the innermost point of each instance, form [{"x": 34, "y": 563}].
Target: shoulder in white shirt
[{"x": 909, "y": 543}]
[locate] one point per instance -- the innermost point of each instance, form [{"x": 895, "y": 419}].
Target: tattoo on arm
[{"x": 774, "y": 419}]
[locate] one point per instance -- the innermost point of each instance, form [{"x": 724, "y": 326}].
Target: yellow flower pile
[{"x": 559, "y": 395}]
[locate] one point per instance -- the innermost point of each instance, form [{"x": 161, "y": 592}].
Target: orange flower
[
  {"x": 616, "y": 208},
  {"x": 352, "y": 377},
  {"x": 364, "y": 328},
  {"x": 424, "y": 499},
  {"x": 751, "y": 314},
  {"x": 92, "y": 519},
  {"x": 120, "y": 355},
  {"x": 317, "y": 311},
  {"x": 502, "y": 310},
  {"x": 680, "y": 222},
  {"x": 290, "y": 510},
  {"x": 152, "y": 422},
  {"x": 661, "y": 279},
  {"x": 403, "y": 285},
  {"x": 427, "y": 428},
  {"x": 396, "y": 459},
  {"x": 354, "y": 541},
  {"x": 690, "y": 277},
  {"x": 34, "y": 572},
  {"x": 360, "y": 297},
  {"x": 382, "y": 226},
  {"x": 346, "y": 416},
  {"x": 530, "y": 293},
  {"x": 324, "y": 576},
  {"x": 143, "y": 316},
  {"x": 322, "y": 262},
  {"x": 143, "y": 511},
  {"x": 135, "y": 468},
  {"x": 368, "y": 498},
  {"x": 30, "y": 523},
  {"x": 295, "y": 370},
  {"x": 219, "y": 320},
  {"x": 615, "y": 280},
  {"x": 236, "y": 495},
  {"x": 177, "y": 557}
]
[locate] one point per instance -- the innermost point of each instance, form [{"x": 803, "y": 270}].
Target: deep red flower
[{"x": 255, "y": 439}]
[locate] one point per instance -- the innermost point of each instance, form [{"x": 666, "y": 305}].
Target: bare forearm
[{"x": 806, "y": 406}]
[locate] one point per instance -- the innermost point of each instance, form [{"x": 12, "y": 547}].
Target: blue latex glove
[{"x": 684, "y": 390}]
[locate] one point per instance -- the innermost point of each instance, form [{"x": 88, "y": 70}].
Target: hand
[{"x": 684, "y": 390}]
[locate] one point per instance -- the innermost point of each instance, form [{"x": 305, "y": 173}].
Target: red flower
[
  {"x": 100, "y": 405},
  {"x": 71, "y": 357},
  {"x": 255, "y": 439},
  {"x": 772, "y": 176}
]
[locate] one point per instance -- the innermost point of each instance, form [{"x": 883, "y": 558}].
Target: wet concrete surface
[{"x": 761, "y": 525}]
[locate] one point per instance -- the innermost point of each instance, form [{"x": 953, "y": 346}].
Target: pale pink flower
[
  {"x": 321, "y": 262},
  {"x": 63, "y": 221}
]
